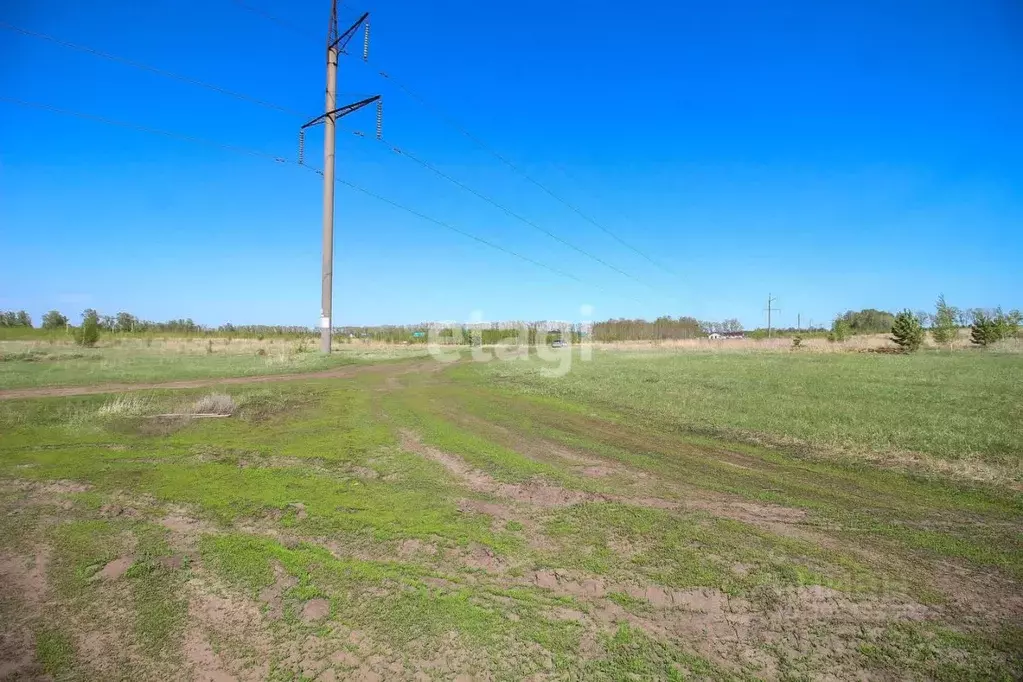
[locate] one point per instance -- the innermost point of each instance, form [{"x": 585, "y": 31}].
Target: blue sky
[{"x": 838, "y": 155}]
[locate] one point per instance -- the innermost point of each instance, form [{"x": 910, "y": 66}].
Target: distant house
[{"x": 714, "y": 336}]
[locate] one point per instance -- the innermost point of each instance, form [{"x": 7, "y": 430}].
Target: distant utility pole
[
  {"x": 336, "y": 43},
  {"x": 770, "y": 300},
  {"x": 799, "y": 319}
]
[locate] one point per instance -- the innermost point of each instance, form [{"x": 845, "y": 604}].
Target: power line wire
[
  {"x": 283, "y": 160},
  {"x": 259, "y": 102},
  {"x": 151, "y": 69},
  {"x": 453, "y": 123},
  {"x": 451, "y": 227},
  {"x": 508, "y": 211},
  {"x": 145, "y": 129},
  {"x": 449, "y": 120}
]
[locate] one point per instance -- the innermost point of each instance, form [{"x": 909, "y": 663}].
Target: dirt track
[{"x": 336, "y": 373}]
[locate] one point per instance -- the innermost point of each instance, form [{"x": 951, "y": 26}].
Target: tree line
[
  {"x": 987, "y": 326},
  {"x": 663, "y": 328},
  {"x": 907, "y": 328}
]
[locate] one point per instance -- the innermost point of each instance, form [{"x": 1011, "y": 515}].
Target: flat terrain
[
  {"x": 34, "y": 364},
  {"x": 646, "y": 516}
]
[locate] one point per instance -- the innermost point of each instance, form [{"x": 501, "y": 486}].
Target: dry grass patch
[
  {"x": 214, "y": 403},
  {"x": 132, "y": 405}
]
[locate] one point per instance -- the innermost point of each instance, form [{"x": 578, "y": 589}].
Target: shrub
[
  {"x": 907, "y": 331},
  {"x": 796, "y": 340},
  {"x": 1008, "y": 323},
  {"x": 88, "y": 334},
  {"x": 840, "y": 330}
]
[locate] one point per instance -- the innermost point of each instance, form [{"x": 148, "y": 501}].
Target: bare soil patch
[
  {"x": 23, "y": 589},
  {"x": 116, "y": 568},
  {"x": 315, "y": 610},
  {"x": 273, "y": 596}
]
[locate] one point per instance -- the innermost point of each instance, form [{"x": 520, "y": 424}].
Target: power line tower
[
  {"x": 769, "y": 309},
  {"x": 336, "y": 43}
]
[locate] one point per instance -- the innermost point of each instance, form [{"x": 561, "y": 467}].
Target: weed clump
[
  {"x": 125, "y": 406},
  {"x": 214, "y": 403}
]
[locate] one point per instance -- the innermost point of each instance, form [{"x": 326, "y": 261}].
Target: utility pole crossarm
[
  {"x": 340, "y": 112},
  {"x": 341, "y": 42}
]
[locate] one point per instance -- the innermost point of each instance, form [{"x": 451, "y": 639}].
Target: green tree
[
  {"x": 944, "y": 322},
  {"x": 88, "y": 333},
  {"x": 840, "y": 328},
  {"x": 1008, "y": 323},
  {"x": 984, "y": 330},
  {"x": 125, "y": 322},
  {"x": 9, "y": 318},
  {"x": 907, "y": 331},
  {"x": 54, "y": 320},
  {"x": 867, "y": 321}
]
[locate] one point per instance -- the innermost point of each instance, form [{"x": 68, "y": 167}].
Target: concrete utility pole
[
  {"x": 336, "y": 43},
  {"x": 329, "y": 129},
  {"x": 769, "y": 309}
]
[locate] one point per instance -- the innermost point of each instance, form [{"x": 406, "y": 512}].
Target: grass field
[
  {"x": 646, "y": 516},
  {"x": 39, "y": 363}
]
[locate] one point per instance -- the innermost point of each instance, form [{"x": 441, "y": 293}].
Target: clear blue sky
[{"x": 837, "y": 154}]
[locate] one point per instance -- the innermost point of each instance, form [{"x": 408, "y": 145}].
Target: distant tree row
[
  {"x": 124, "y": 322},
  {"x": 662, "y": 328},
  {"x": 487, "y": 333},
  {"x": 9, "y": 318},
  {"x": 866, "y": 321},
  {"x": 986, "y": 326}
]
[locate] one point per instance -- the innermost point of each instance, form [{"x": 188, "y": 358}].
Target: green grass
[
  {"x": 30, "y": 364},
  {"x": 632, "y": 655},
  {"x": 941, "y": 653},
  {"x": 156, "y": 607},
  {"x": 929, "y": 514},
  {"x": 309, "y": 478},
  {"x": 694, "y": 550},
  {"x": 55, "y": 651},
  {"x": 66, "y": 367},
  {"x": 409, "y": 614},
  {"x": 954, "y": 406}
]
